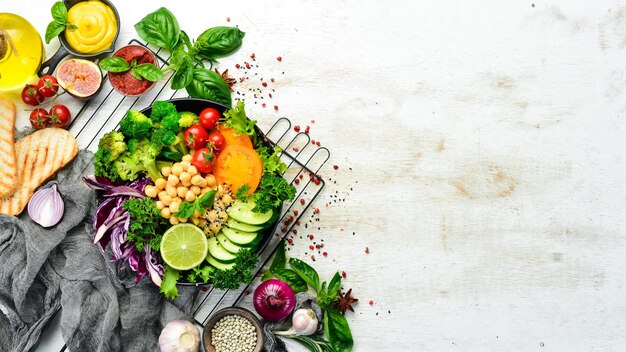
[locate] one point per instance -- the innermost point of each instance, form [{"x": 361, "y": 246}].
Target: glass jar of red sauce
[{"x": 125, "y": 82}]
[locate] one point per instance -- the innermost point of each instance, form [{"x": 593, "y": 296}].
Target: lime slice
[{"x": 184, "y": 246}]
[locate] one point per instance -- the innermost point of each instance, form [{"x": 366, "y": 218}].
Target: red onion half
[
  {"x": 274, "y": 300},
  {"x": 46, "y": 206}
]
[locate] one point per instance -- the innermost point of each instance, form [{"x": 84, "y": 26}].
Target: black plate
[{"x": 196, "y": 106}]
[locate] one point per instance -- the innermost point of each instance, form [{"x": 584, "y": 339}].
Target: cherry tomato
[
  {"x": 203, "y": 160},
  {"x": 60, "y": 116},
  {"x": 217, "y": 140},
  {"x": 209, "y": 117},
  {"x": 39, "y": 118},
  {"x": 48, "y": 86},
  {"x": 196, "y": 137},
  {"x": 31, "y": 95}
]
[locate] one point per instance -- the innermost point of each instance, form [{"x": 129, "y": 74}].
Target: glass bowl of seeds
[{"x": 233, "y": 329}]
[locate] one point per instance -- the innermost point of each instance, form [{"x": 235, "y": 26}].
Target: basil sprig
[
  {"x": 59, "y": 21},
  {"x": 218, "y": 42},
  {"x": 188, "y": 208},
  {"x": 146, "y": 71},
  {"x": 207, "y": 84}
]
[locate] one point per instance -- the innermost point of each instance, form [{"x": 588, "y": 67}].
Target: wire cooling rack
[{"x": 304, "y": 160}]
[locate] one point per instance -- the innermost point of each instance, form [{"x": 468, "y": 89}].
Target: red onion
[
  {"x": 274, "y": 300},
  {"x": 46, "y": 206}
]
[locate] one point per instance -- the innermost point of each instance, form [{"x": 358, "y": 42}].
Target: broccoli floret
[
  {"x": 135, "y": 124},
  {"x": 168, "y": 134},
  {"x": 110, "y": 147},
  {"x": 142, "y": 159},
  {"x": 161, "y": 109},
  {"x": 132, "y": 145},
  {"x": 187, "y": 119}
]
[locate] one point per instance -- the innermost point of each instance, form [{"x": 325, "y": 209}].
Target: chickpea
[
  {"x": 150, "y": 191},
  {"x": 166, "y": 213},
  {"x": 177, "y": 169},
  {"x": 182, "y": 191},
  {"x": 184, "y": 176},
  {"x": 166, "y": 171},
  {"x": 195, "y": 189},
  {"x": 201, "y": 222},
  {"x": 161, "y": 194},
  {"x": 160, "y": 183},
  {"x": 187, "y": 184},
  {"x": 185, "y": 165},
  {"x": 190, "y": 197},
  {"x": 205, "y": 190},
  {"x": 194, "y": 220},
  {"x": 192, "y": 170},
  {"x": 171, "y": 191},
  {"x": 174, "y": 206},
  {"x": 187, "y": 157},
  {"x": 210, "y": 179},
  {"x": 212, "y": 215},
  {"x": 222, "y": 215},
  {"x": 197, "y": 213},
  {"x": 215, "y": 227},
  {"x": 160, "y": 205},
  {"x": 166, "y": 200},
  {"x": 196, "y": 180},
  {"x": 172, "y": 180},
  {"x": 182, "y": 220},
  {"x": 203, "y": 183},
  {"x": 173, "y": 220},
  {"x": 227, "y": 199}
]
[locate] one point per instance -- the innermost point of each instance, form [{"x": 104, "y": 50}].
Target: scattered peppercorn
[
  {"x": 371, "y": 302},
  {"x": 296, "y": 128}
]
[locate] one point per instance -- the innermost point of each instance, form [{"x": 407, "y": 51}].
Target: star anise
[
  {"x": 345, "y": 302},
  {"x": 229, "y": 80}
]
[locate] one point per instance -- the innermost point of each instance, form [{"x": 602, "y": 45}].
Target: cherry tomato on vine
[
  {"x": 39, "y": 118},
  {"x": 209, "y": 117},
  {"x": 203, "y": 160},
  {"x": 48, "y": 86},
  {"x": 31, "y": 95},
  {"x": 196, "y": 137},
  {"x": 60, "y": 116},
  {"x": 217, "y": 140}
]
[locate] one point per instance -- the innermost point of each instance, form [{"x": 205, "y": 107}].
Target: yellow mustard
[{"x": 96, "y": 24}]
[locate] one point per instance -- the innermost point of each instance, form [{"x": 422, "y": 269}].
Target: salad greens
[
  {"x": 236, "y": 119},
  {"x": 161, "y": 28},
  {"x": 145, "y": 221}
]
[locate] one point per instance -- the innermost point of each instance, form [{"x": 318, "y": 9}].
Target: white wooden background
[{"x": 486, "y": 141}]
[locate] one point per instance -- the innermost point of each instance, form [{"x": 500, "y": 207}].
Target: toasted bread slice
[
  {"x": 39, "y": 157},
  {"x": 8, "y": 168}
]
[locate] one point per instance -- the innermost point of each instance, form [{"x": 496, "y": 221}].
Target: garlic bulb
[
  {"x": 303, "y": 322},
  {"x": 179, "y": 336}
]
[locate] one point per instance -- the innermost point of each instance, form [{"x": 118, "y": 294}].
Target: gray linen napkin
[{"x": 42, "y": 269}]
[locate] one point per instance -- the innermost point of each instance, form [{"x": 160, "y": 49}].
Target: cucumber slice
[
  {"x": 236, "y": 225},
  {"x": 226, "y": 244},
  {"x": 217, "y": 264},
  {"x": 242, "y": 212},
  {"x": 219, "y": 253},
  {"x": 240, "y": 238}
]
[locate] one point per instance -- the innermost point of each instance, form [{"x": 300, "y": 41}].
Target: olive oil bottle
[{"x": 21, "y": 52}]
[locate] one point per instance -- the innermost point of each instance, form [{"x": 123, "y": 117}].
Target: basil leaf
[
  {"x": 148, "y": 71},
  {"x": 218, "y": 42},
  {"x": 337, "y": 331},
  {"x": 135, "y": 74},
  {"x": 159, "y": 28},
  {"x": 53, "y": 30},
  {"x": 292, "y": 279},
  {"x": 114, "y": 64},
  {"x": 207, "y": 84},
  {"x": 183, "y": 75},
  {"x": 206, "y": 201},
  {"x": 185, "y": 210},
  {"x": 59, "y": 12},
  {"x": 184, "y": 38},
  {"x": 306, "y": 272},
  {"x": 170, "y": 155},
  {"x": 71, "y": 27},
  {"x": 267, "y": 275},
  {"x": 335, "y": 284},
  {"x": 313, "y": 343},
  {"x": 279, "y": 261}
]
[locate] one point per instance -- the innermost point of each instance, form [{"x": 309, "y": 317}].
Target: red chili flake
[
  {"x": 311, "y": 237},
  {"x": 263, "y": 105},
  {"x": 295, "y": 232},
  {"x": 295, "y": 212},
  {"x": 252, "y": 56},
  {"x": 324, "y": 254},
  {"x": 307, "y": 129},
  {"x": 371, "y": 302},
  {"x": 317, "y": 143},
  {"x": 343, "y": 274},
  {"x": 248, "y": 292},
  {"x": 317, "y": 246},
  {"x": 312, "y": 141},
  {"x": 313, "y": 258},
  {"x": 297, "y": 223},
  {"x": 296, "y": 128},
  {"x": 336, "y": 167},
  {"x": 296, "y": 149},
  {"x": 316, "y": 210},
  {"x": 312, "y": 121},
  {"x": 264, "y": 84},
  {"x": 367, "y": 250},
  {"x": 302, "y": 201},
  {"x": 322, "y": 245},
  {"x": 279, "y": 59},
  {"x": 237, "y": 65},
  {"x": 247, "y": 65},
  {"x": 283, "y": 229},
  {"x": 272, "y": 79},
  {"x": 296, "y": 181},
  {"x": 290, "y": 241},
  {"x": 316, "y": 181},
  {"x": 276, "y": 234},
  {"x": 276, "y": 107},
  {"x": 301, "y": 176},
  {"x": 204, "y": 288},
  {"x": 311, "y": 247}
]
